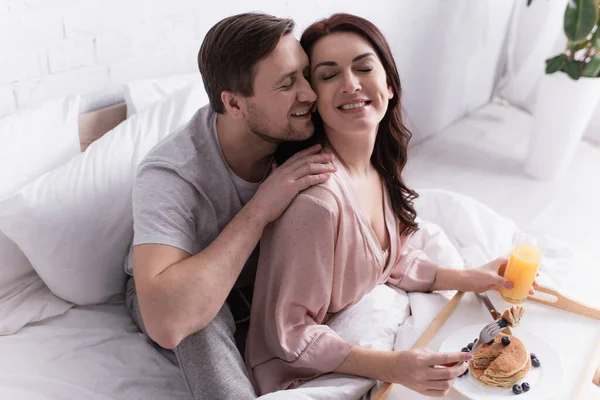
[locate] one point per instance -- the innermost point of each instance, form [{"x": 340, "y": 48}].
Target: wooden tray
[{"x": 551, "y": 298}]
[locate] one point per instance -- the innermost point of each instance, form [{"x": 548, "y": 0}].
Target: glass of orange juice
[{"x": 522, "y": 267}]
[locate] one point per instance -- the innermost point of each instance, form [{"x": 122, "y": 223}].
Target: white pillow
[
  {"x": 34, "y": 141},
  {"x": 75, "y": 223},
  {"x": 141, "y": 94},
  {"x": 478, "y": 233},
  {"x": 37, "y": 140}
]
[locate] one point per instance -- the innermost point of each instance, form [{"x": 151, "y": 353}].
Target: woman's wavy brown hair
[{"x": 390, "y": 152}]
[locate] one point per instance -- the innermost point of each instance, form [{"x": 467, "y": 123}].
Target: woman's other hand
[{"x": 420, "y": 370}]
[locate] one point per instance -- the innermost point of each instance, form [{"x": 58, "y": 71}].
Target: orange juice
[{"x": 521, "y": 269}]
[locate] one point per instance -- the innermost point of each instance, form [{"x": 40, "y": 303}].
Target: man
[{"x": 201, "y": 199}]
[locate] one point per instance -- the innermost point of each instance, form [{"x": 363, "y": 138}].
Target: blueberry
[
  {"x": 465, "y": 350},
  {"x": 505, "y": 340},
  {"x": 525, "y": 386},
  {"x": 532, "y": 355},
  {"x": 517, "y": 389},
  {"x": 470, "y": 346},
  {"x": 535, "y": 362}
]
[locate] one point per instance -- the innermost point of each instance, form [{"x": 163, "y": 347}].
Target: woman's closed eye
[
  {"x": 328, "y": 76},
  {"x": 364, "y": 67}
]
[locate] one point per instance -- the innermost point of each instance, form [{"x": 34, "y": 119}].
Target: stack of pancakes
[
  {"x": 513, "y": 314},
  {"x": 499, "y": 365}
]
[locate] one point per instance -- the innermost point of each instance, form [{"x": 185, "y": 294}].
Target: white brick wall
[
  {"x": 29, "y": 29},
  {"x": 50, "y": 48},
  {"x": 21, "y": 64},
  {"x": 38, "y": 90},
  {"x": 113, "y": 46},
  {"x": 71, "y": 53}
]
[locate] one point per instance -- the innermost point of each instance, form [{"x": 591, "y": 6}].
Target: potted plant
[{"x": 568, "y": 94}]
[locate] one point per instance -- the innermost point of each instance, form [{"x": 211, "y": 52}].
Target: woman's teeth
[{"x": 353, "y": 105}]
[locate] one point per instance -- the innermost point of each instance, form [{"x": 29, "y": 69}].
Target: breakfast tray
[{"x": 579, "y": 324}]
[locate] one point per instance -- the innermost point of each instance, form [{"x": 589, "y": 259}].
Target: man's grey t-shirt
[{"x": 185, "y": 193}]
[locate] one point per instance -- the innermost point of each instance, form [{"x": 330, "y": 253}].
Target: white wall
[
  {"x": 535, "y": 35},
  {"x": 593, "y": 130},
  {"x": 447, "y": 52}
]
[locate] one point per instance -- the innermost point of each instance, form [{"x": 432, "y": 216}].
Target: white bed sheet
[
  {"x": 94, "y": 352},
  {"x": 97, "y": 353}
]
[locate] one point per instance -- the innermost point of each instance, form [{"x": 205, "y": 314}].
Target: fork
[{"x": 489, "y": 332}]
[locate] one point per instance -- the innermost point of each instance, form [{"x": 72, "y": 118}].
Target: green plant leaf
[
  {"x": 573, "y": 69},
  {"x": 596, "y": 37},
  {"x": 580, "y": 18},
  {"x": 592, "y": 68},
  {"x": 555, "y": 64}
]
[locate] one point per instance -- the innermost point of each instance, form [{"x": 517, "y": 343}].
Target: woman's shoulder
[{"x": 326, "y": 195}]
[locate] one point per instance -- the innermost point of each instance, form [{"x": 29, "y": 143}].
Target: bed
[{"x": 96, "y": 352}]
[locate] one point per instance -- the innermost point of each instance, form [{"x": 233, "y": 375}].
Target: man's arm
[{"x": 180, "y": 294}]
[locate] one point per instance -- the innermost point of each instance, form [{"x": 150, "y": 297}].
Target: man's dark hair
[{"x": 231, "y": 50}]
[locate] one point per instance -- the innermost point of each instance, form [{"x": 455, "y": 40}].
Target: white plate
[{"x": 543, "y": 380}]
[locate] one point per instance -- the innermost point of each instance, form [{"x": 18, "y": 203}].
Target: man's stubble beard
[{"x": 259, "y": 126}]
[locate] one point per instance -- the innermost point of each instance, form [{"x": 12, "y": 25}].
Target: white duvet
[{"x": 97, "y": 353}]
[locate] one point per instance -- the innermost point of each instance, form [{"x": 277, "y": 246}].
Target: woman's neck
[{"x": 353, "y": 152}]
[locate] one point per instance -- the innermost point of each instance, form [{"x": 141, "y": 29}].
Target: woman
[{"x": 339, "y": 239}]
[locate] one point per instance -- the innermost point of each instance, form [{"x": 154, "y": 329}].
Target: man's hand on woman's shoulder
[{"x": 304, "y": 169}]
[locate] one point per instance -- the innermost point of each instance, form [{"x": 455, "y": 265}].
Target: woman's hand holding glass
[{"x": 489, "y": 277}]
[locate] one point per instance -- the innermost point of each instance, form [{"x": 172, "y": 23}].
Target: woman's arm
[
  {"x": 413, "y": 271},
  {"x": 369, "y": 363},
  {"x": 478, "y": 279},
  {"x": 450, "y": 279}
]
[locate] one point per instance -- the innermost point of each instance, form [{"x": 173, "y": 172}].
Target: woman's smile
[{"x": 354, "y": 106}]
